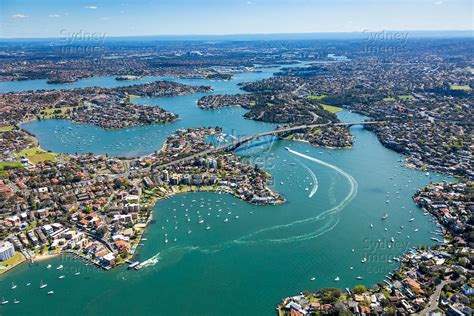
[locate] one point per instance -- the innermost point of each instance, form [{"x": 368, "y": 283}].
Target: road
[
  {"x": 245, "y": 139},
  {"x": 433, "y": 304}
]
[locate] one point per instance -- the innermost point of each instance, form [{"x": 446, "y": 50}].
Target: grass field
[
  {"x": 36, "y": 155},
  {"x": 389, "y": 99},
  {"x": 330, "y": 108},
  {"x": 14, "y": 164},
  {"x": 406, "y": 97},
  {"x": 460, "y": 88},
  {"x": 49, "y": 113},
  {"x": 11, "y": 262},
  {"x": 6, "y": 128},
  {"x": 317, "y": 97}
]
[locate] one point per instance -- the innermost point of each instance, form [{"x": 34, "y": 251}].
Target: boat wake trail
[
  {"x": 315, "y": 181},
  {"x": 326, "y": 220}
]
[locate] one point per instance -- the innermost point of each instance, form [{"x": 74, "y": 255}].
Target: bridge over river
[{"x": 238, "y": 142}]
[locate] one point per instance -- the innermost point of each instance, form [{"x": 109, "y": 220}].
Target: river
[{"x": 245, "y": 265}]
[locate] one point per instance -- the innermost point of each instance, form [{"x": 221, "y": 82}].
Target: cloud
[
  {"x": 54, "y": 16},
  {"x": 438, "y": 2},
  {"x": 105, "y": 18},
  {"x": 91, "y": 7},
  {"x": 19, "y": 16}
]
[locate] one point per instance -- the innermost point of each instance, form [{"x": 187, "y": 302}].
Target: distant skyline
[{"x": 54, "y": 18}]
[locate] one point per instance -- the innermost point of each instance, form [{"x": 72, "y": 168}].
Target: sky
[{"x": 55, "y": 18}]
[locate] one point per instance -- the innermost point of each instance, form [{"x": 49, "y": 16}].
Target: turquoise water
[{"x": 246, "y": 265}]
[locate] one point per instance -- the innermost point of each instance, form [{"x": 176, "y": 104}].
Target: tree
[{"x": 359, "y": 289}]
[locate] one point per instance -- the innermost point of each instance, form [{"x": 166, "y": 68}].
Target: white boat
[
  {"x": 416, "y": 229},
  {"x": 359, "y": 278},
  {"x": 226, "y": 220},
  {"x": 43, "y": 285},
  {"x": 364, "y": 260},
  {"x": 4, "y": 301},
  {"x": 371, "y": 225},
  {"x": 61, "y": 277},
  {"x": 351, "y": 268},
  {"x": 16, "y": 301},
  {"x": 236, "y": 216},
  {"x": 166, "y": 241},
  {"x": 385, "y": 216},
  {"x": 336, "y": 279},
  {"x": 313, "y": 278},
  {"x": 28, "y": 284},
  {"x": 412, "y": 219},
  {"x": 50, "y": 292},
  {"x": 59, "y": 267},
  {"x": 48, "y": 266},
  {"x": 208, "y": 227},
  {"x": 392, "y": 239},
  {"x": 77, "y": 273},
  {"x": 201, "y": 221},
  {"x": 13, "y": 286}
]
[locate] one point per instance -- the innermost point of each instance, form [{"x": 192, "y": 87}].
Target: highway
[{"x": 245, "y": 139}]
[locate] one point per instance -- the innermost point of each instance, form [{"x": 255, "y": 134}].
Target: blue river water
[{"x": 246, "y": 264}]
